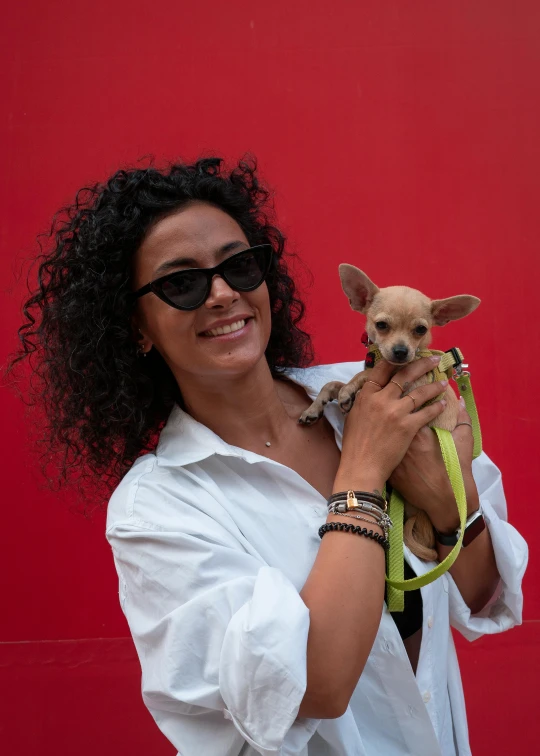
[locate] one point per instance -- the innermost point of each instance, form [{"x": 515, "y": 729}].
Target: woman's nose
[{"x": 221, "y": 293}]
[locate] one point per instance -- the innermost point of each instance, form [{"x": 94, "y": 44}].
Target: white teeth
[{"x": 226, "y": 329}]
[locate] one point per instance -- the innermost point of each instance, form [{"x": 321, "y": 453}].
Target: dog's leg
[
  {"x": 348, "y": 392},
  {"x": 328, "y": 393}
]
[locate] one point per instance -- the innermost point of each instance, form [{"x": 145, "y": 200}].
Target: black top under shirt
[{"x": 410, "y": 619}]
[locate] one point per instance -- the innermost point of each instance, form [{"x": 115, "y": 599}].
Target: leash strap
[
  {"x": 396, "y": 584},
  {"x": 463, "y": 381},
  {"x": 395, "y": 581}
]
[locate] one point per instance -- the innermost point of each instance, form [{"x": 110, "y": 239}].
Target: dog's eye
[
  {"x": 380, "y": 325},
  {"x": 420, "y": 330}
]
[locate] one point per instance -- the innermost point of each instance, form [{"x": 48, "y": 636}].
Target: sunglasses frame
[{"x": 155, "y": 286}]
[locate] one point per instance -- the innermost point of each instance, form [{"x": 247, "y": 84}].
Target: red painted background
[{"x": 399, "y": 136}]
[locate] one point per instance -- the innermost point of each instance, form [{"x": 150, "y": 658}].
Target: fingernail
[
  {"x": 443, "y": 401},
  {"x": 436, "y": 358},
  {"x": 444, "y": 383},
  {"x": 462, "y": 401}
]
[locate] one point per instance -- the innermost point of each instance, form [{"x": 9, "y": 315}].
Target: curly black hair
[{"x": 104, "y": 406}]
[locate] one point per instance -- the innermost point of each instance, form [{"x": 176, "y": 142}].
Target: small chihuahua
[{"x": 399, "y": 322}]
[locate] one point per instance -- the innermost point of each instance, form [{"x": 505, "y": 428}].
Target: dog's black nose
[{"x": 400, "y": 353}]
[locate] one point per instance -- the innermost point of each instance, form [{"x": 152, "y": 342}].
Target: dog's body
[{"x": 399, "y": 322}]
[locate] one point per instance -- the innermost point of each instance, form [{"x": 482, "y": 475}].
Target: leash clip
[{"x": 458, "y": 362}]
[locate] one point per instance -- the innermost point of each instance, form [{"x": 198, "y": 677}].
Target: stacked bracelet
[
  {"x": 358, "y": 517},
  {"x": 338, "y": 505},
  {"x": 345, "y": 505},
  {"x": 327, "y": 527},
  {"x": 373, "y": 498},
  {"x": 373, "y": 501},
  {"x": 381, "y": 519}
]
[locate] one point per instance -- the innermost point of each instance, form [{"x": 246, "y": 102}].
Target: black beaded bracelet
[{"x": 327, "y": 527}]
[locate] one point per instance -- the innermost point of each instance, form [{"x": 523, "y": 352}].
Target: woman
[{"x": 253, "y": 634}]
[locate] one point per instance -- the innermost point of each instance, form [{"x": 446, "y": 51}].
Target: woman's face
[{"x": 195, "y": 237}]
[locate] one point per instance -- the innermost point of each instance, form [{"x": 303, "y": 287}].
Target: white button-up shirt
[{"x": 213, "y": 543}]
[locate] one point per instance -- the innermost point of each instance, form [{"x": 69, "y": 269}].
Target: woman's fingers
[
  {"x": 381, "y": 374},
  {"x": 464, "y": 424},
  {"x": 422, "y": 394},
  {"x": 384, "y": 374},
  {"x": 463, "y": 435},
  {"x": 427, "y": 414},
  {"x": 404, "y": 377}
]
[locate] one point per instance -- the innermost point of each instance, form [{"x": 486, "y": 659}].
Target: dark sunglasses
[{"x": 189, "y": 289}]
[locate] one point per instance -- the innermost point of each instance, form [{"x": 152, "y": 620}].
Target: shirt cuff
[
  {"x": 262, "y": 674},
  {"x": 505, "y": 608}
]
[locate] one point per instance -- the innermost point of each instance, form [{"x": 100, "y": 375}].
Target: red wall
[{"x": 400, "y": 137}]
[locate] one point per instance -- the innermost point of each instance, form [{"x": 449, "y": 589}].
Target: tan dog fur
[{"x": 403, "y": 310}]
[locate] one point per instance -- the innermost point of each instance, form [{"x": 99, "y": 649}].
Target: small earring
[{"x": 140, "y": 350}]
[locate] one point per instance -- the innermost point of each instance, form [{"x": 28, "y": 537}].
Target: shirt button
[
  {"x": 427, "y": 696},
  {"x": 430, "y": 622}
]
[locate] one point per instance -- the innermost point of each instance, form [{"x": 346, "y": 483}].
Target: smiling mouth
[{"x": 225, "y": 330}]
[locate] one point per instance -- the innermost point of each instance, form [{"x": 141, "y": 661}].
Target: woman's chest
[{"x": 312, "y": 453}]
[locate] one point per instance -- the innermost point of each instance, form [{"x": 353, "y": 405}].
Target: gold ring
[
  {"x": 375, "y": 382},
  {"x": 398, "y": 384},
  {"x": 412, "y": 397},
  {"x": 469, "y": 424}
]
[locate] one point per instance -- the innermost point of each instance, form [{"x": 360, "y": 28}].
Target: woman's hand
[
  {"x": 382, "y": 424},
  {"x": 421, "y": 476}
]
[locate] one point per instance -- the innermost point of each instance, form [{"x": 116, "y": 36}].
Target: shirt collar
[{"x": 184, "y": 440}]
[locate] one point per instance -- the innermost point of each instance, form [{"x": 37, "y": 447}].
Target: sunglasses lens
[
  {"x": 186, "y": 289},
  {"x": 244, "y": 271},
  {"x": 247, "y": 270}
]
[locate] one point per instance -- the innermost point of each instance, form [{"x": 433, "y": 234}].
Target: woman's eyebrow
[{"x": 191, "y": 262}]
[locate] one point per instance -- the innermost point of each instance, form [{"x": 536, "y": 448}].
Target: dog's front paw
[
  {"x": 310, "y": 416},
  {"x": 346, "y": 399}
]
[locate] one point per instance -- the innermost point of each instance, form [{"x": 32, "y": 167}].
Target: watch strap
[{"x": 474, "y": 525}]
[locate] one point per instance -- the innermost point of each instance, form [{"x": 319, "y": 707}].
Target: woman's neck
[{"x": 248, "y": 411}]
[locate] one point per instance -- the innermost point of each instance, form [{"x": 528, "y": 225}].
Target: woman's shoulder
[
  {"x": 316, "y": 376},
  {"x": 122, "y": 502},
  {"x": 166, "y": 498},
  {"x": 144, "y": 493},
  {"x": 160, "y": 485}
]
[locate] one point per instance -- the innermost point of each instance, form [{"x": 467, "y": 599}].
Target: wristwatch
[{"x": 474, "y": 525}]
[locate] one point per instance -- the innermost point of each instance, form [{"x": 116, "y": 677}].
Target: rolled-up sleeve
[
  {"x": 221, "y": 639},
  {"x": 511, "y": 555}
]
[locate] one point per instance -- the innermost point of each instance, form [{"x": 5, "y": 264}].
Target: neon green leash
[{"x": 395, "y": 577}]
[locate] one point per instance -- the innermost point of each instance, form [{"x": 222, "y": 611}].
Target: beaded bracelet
[{"x": 327, "y": 527}]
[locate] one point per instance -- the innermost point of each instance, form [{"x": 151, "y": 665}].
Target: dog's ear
[
  {"x": 357, "y": 286},
  {"x": 453, "y": 308}
]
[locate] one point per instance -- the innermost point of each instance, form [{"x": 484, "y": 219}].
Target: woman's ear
[
  {"x": 358, "y": 287},
  {"x": 138, "y": 336},
  {"x": 452, "y": 308}
]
